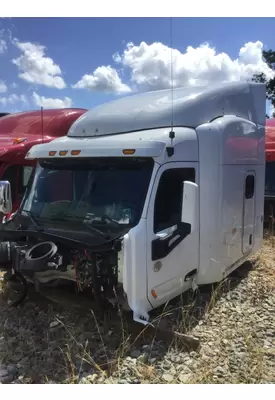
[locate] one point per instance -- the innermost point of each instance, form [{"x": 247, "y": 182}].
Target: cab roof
[
  {"x": 187, "y": 107},
  {"x": 20, "y": 131},
  {"x": 56, "y": 122}
]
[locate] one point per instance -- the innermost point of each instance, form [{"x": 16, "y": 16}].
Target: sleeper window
[{"x": 249, "y": 186}]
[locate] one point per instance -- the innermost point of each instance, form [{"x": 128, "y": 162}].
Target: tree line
[{"x": 269, "y": 58}]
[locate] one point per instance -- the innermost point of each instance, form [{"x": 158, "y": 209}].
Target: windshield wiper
[
  {"x": 106, "y": 218},
  {"x": 33, "y": 219},
  {"x": 62, "y": 218},
  {"x": 89, "y": 225}
]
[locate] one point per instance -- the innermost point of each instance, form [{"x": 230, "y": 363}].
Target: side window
[
  {"x": 11, "y": 175},
  {"x": 168, "y": 200},
  {"x": 24, "y": 176},
  {"x": 27, "y": 171},
  {"x": 249, "y": 186}
]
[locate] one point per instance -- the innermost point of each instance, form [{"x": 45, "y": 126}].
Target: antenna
[
  {"x": 171, "y": 72},
  {"x": 170, "y": 149},
  {"x": 42, "y": 125}
]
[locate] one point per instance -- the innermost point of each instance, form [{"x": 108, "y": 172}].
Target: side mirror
[
  {"x": 190, "y": 204},
  {"x": 5, "y": 197}
]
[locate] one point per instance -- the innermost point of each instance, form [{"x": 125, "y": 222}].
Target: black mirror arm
[{"x": 161, "y": 247}]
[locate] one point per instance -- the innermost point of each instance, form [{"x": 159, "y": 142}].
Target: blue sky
[{"x": 80, "y": 46}]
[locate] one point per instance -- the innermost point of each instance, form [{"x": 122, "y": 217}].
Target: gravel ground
[{"x": 41, "y": 342}]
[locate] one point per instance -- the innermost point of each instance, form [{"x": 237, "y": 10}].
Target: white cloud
[
  {"x": 150, "y": 65},
  {"x": 36, "y": 68},
  {"x": 103, "y": 79},
  {"x": 48, "y": 102},
  {"x": 3, "y": 87},
  {"x": 3, "y": 46},
  {"x": 13, "y": 99},
  {"x": 14, "y": 85}
]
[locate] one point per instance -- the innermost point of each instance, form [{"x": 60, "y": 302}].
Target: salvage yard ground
[{"x": 41, "y": 342}]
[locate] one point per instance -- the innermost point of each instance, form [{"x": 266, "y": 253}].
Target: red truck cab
[
  {"x": 19, "y": 132},
  {"x": 269, "y": 212}
]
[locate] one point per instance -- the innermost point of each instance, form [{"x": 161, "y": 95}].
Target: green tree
[{"x": 269, "y": 58}]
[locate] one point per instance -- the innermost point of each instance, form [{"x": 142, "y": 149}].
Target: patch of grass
[{"x": 103, "y": 348}]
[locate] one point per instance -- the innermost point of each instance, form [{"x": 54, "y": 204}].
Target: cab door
[{"x": 170, "y": 271}]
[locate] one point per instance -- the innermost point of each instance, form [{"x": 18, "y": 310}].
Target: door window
[
  {"x": 168, "y": 201},
  {"x": 11, "y": 175},
  {"x": 18, "y": 176},
  {"x": 24, "y": 177}
]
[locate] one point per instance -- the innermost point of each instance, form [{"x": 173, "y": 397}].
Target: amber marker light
[
  {"x": 19, "y": 140},
  {"x": 128, "y": 152}
]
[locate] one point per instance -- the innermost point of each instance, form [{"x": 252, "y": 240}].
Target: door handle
[{"x": 166, "y": 234}]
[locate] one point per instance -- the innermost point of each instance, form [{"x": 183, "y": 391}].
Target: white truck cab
[{"x": 174, "y": 190}]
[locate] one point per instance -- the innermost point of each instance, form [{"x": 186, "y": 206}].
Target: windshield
[
  {"x": 109, "y": 193},
  {"x": 270, "y": 179}
]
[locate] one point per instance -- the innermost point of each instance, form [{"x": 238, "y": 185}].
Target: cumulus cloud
[
  {"x": 150, "y": 65},
  {"x": 3, "y": 87},
  {"x": 103, "y": 79},
  {"x": 48, "y": 102},
  {"x": 35, "y": 67},
  {"x": 13, "y": 99},
  {"x": 3, "y": 46}
]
